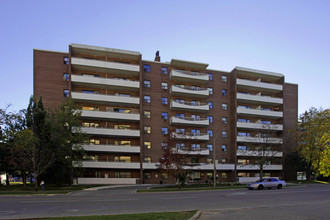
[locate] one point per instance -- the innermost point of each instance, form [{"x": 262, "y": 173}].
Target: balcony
[
  {"x": 110, "y": 132},
  {"x": 104, "y": 66},
  {"x": 261, "y": 140},
  {"x": 106, "y": 99},
  {"x": 259, "y": 153},
  {"x": 111, "y": 116},
  {"x": 258, "y": 99},
  {"x": 191, "y": 107},
  {"x": 258, "y": 86},
  {"x": 112, "y": 148},
  {"x": 97, "y": 82},
  {"x": 256, "y": 167},
  {"x": 259, "y": 113},
  {"x": 217, "y": 165},
  {"x": 110, "y": 165},
  {"x": 189, "y": 91},
  {"x": 186, "y": 76},
  {"x": 189, "y": 136},
  {"x": 189, "y": 122},
  {"x": 204, "y": 152},
  {"x": 258, "y": 126}
]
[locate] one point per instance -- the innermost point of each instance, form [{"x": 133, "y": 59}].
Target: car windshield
[{"x": 263, "y": 180}]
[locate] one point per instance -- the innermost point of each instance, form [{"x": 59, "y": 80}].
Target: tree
[
  {"x": 176, "y": 158},
  {"x": 313, "y": 138},
  {"x": 264, "y": 148}
]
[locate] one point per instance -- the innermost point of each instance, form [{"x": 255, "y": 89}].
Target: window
[
  {"x": 196, "y": 147},
  {"x": 180, "y": 115},
  {"x": 124, "y": 127},
  {"x": 124, "y": 159},
  {"x": 243, "y": 134},
  {"x": 164, "y": 145},
  {"x": 210, "y": 147},
  {"x": 211, "y": 105},
  {"x": 195, "y": 160},
  {"x": 195, "y": 117},
  {"x": 224, "y": 120},
  {"x": 146, "y": 83},
  {"x": 147, "y": 129},
  {"x": 66, "y": 93},
  {"x": 147, "y": 159},
  {"x": 147, "y": 175},
  {"x": 244, "y": 106},
  {"x": 224, "y": 92},
  {"x": 224, "y": 175},
  {"x": 242, "y": 148},
  {"x": 164, "y": 101},
  {"x": 89, "y": 108},
  {"x": 210, "y": 76},
  {"x": 164, "y": 131},
  {"x": 122, "y": 175},
  {"x": 195, "y": 132},
  {"x": 210, "y": 91},
  {"x": 94, "y": 141},
  {"x": 164, "y": 175},
  {"x": 195, "y": 175},
  {"x": 180, "y": 131},
  {"x": 147, "y": 145},
  {"x": 224, "y": 78},
  {"x": 122, "y": 110},
  {"x": 164, "y": 115},
  {"x": 164, "y": 70},
  {"x": 224, "y": 133},
  {"x": 164, "y": 86},
  {"x": 146, "y": 114},
  {"x": 243, "y": 161},
  {"x": 195, "y": 103},
  {"x": 66, "y": 76},
  {"x": 121, "y": 94},
  {"x": 66, "y": 60},
  {"x": 224, "y": 148},
  {"x": 147, "y": 99},
  {"x": 146, "y": 68},
  {"x": 210, "y": 118},
  {"x": 90, "y": 125},
  {"x": 210, "y": 133},
  {"x": 224, "y": 106},
  {"x": 265, "y": 122},
  {"x": 243, "y": 120},
  {"x": 180, "y": 101},
  {"x": 180, "y": 146},
  {"x": 224, "y": 160},
  {"x": 123, "y": 143}
]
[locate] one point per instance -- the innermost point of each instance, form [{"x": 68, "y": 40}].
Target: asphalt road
[{"x": 303, "y": 202}]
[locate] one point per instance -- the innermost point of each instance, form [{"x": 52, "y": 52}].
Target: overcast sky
[{"x": 288, "y": 37}]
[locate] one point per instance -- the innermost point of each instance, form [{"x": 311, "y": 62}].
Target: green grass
[
  {"x": 49, "y": 189},
  {"x": 143, "y": 216},
  {"x": 194, "y": 187}
]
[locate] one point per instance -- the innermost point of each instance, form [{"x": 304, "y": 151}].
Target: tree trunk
[
  {"x": 35, "y": 181},
  {"x": 261, "y": 172},
  {"x": 7, "y": 179},
  {"x": 24, "y": 179}
]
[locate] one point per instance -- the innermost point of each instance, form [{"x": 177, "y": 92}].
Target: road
[{"x": 308, "y": 200}]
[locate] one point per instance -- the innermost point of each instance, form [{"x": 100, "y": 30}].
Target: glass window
[
  {"x": 241, "y": 147},
  {"x": 224, "y": 106},
  {"x": 224, "y": 92},
  {"x": 180, "y": 130},
  {"x": 211, "y": 105},
  {"x": 210, "y": 147},
  {"x": 224, "y": 133},
  {"x": 210, "y": 91},
  {"x": 224, "y": 120},
  {"x": 210, "y": 76},
  {"x": 164, "y": 115},
  {"x": 180, "y": 146},
  {"x": 66, "y": 76},
  {"x": 210, "y": 132},
  {"x": 147, "y": 145},
  {"x": 122, "y": 175},
  {"x": 164, "y": 86},
  {"x": 147, "y": 175},
  {"x": 147, "y": 83},
  {"x": 147, "y": 99},
  {"x": 224, "y": 148},
  {"x": 164, "y": 70},
  {"x": 180, "y": 115},
  {"x": 224, "y": 175},
  {"x": 147, "y": 129},
  {"x": 164, "y": 175},
  {"x": 195, "y": 132},
  {"x": 147, "y": 159},
  {"x": 66, "y": 60},
  {"x": 224, "y": 78},
  {"x": 195, "y": 147},
  {"x": 164, "y": 145},
  {"x": 265, "y": 122},
  {"x": 66, "y": 93},
  {"x": 147, "y": 114},
  {"x": 164, "y": 101},
  {"x": 123, "y": 143},
  {"x": 146, "y": 68},
  {"x": 224, "y": 160},
  {"x": 94, "y": 141},
  {"x": 164, "y": 131}
]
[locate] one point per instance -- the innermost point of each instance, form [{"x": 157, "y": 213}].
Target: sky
[{"x": 287, "y": 37}]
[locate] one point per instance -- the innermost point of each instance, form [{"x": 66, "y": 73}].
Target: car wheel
[
  {"x": 279, "y": 186},
  {"x": 260, "y": 187}
]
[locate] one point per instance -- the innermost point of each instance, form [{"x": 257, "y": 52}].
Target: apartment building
[{"x": 131, "y": 108}]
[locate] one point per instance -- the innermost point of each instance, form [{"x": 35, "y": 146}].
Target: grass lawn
[
  {"x": 144, "y": 216},
  {"x": 17, "y": 189}
]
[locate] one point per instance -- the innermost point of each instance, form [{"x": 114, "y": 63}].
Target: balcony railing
[
  {"x": 117, "y": 116},
  {"x": 105, "y": 66},
  {"x": 258, "y": 126},
  {"x": 256, "y": 167},
  {"x": 259, "y": 113},
  {"x": 110, "y": 165},
  {"x": 261, "y": 140},
  {"x": 188, "y": 76},
  {"x": 258, "y": 99},
  {"x": 259, "y": 86},
  {"x": 188, "y": 106},
  {"x": 106, "y": 99},
  {"x": 259, "y": 153},
  {"x": 97, "y": 82},
  {"x": 191, "y": 136},
  {"x": 106, "y": 181},
  {"x": 203, "y": 122},
  {"x": 111, "y": 132},
  {"x": 189, "y": 91},
  {"x": 112, "y": 148},
  {"x": 202, "y": 152}
]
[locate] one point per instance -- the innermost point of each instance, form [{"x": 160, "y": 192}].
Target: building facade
[{"x": 131, "y": 107}]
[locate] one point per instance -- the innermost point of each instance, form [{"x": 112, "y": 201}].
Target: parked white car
[{"x": 267, "y": 183}]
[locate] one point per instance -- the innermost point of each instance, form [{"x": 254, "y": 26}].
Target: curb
[{"x": 196, "y": 216}]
